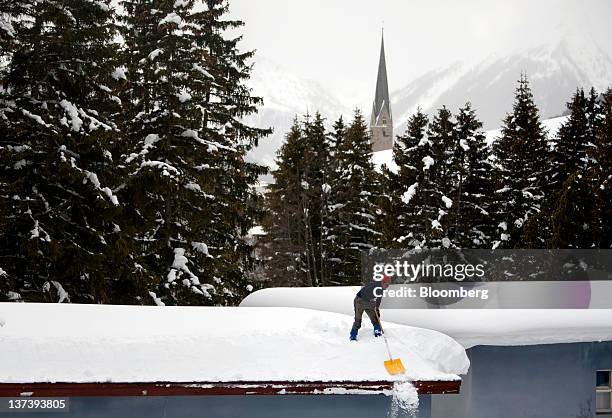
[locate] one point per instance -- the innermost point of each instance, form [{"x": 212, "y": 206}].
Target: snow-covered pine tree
[
  {"x": 470, "y": 209},
  {"x": 329, "y": 261},
  {"x": 566, "y": 212},
  {"x": 389, "y": 206},
  {"x": 190, "y": 190},
  {"x": 284, "y": 244},
  {"x": 411, "y": 187},
  {"x": 398, "y": 186},
  {"x": 443, "y": 180},
  {"x": 601, "y": 175},
  {"x": 59, "y": 236},
  {"x": 297, "y": 205},
  {"x": 337, "y": 136},
  {"x": 10, "y": 25},
  {"x": 353, "y": 203},
  {"x": 569, "y": 218},
  {"x": 314, "y": 183},
  {"x": 575, "y": 137},
  {"x": 228, "y": 101},
  {"x": 521, "y": 160},
  {"x": 596, "y": 112}
]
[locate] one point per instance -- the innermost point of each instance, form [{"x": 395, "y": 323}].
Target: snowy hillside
[
  {"x": 106, "y": 343},
  {"x": 285, "y": 96},
  {"x": 552, "y": 126},
  {"x": 555, "y": 70}
]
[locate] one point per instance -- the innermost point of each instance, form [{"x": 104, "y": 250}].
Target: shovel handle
[
  {"x": 383, "y": 333},
  {"x": 379, "y": 321}
]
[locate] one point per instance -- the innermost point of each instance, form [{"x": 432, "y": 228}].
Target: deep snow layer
[
  {"x": 106, "y": 343},
  {"x": 469, "y": 327}
]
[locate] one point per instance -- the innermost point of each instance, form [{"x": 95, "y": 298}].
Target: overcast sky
[{"x": 336, "y": 42}]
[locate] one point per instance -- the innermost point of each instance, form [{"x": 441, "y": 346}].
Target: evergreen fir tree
[
  {"x": 595, "y": 111},
  {"x": 522, "y": 159},
  {"x": 337, "y": 136},
  {"x": 190, "y": 190},
  {"x": 570, "y": 218},
  {"x": 389, "y": 206},
  {"x": 353, "y": 203},
  {"x": 316, "y": 160},
  {"x": 415, "y": 200},
  {"x": 227, "y": 102},
  {"x": 601, "y": 175},
  {"x": 574, "y": 137},
  {"x": 470, "y": 211},
  {"x": 59, "y": 236},
  {"x": 285, "y": 241},
  {"x": 564, "y": 218},
  {"x": 396, "y": 183},
  {"x": 10, "y": 26},
  {"x": 443, "y": 180},
  {"x": 333, "y": 183},
  {"x": 297, "y": 204}
]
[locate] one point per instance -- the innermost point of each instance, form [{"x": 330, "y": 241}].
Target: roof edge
[{"x": 423, "y": 387}]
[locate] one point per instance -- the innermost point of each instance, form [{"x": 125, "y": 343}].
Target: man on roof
[{"x": 368, "y": 300}]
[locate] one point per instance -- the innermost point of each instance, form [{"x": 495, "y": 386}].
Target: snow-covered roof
[
  {"x": 384, "y": 157},
  {"x": 470, "y": 327},
  {"x": 106, "y": 343}
]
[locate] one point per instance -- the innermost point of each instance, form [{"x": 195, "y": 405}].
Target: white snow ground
[
  {"x": 106, "y": 343},
  {"x": 551, "y": 125},
  {"x": 470, "y": 327}
]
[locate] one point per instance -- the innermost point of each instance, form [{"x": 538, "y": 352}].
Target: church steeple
[{"x": 381, "y": 122}]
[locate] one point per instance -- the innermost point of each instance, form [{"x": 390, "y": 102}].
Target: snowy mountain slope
[
  {"x": 552, "y": 126},
  {"x": 285, "y": 96},
  {"x": 555, "y": 68},
  {"x": 555, "y": 71}
]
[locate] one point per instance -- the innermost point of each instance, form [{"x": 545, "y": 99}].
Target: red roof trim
[{"x": 206, "y": 389}]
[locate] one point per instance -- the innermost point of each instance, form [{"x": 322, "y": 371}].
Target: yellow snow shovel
[{"x": 393, "y": 366}]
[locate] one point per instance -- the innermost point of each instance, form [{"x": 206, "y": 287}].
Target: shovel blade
[{"x": 395, "y": 366}]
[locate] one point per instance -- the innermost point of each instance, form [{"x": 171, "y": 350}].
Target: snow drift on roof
[
  {"x": 105, "y": 343},
  {"x": 469, "y": 327}
]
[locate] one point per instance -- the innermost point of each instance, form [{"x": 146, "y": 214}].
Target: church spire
[
  {"x": 381, "y": 97},
  {"x": 381, "y": 123}
]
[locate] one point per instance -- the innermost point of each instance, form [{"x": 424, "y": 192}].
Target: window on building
[
  {"x": 384, "y": 133},
  {"x": 603, "y": 392},
  {"x": 384, "y": 121}
]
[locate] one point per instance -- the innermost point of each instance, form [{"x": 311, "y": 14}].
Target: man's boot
[{"x": 377, "y": 331}]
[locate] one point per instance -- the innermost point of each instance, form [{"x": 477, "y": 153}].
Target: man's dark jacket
[{"x": 367, "y": 293}]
